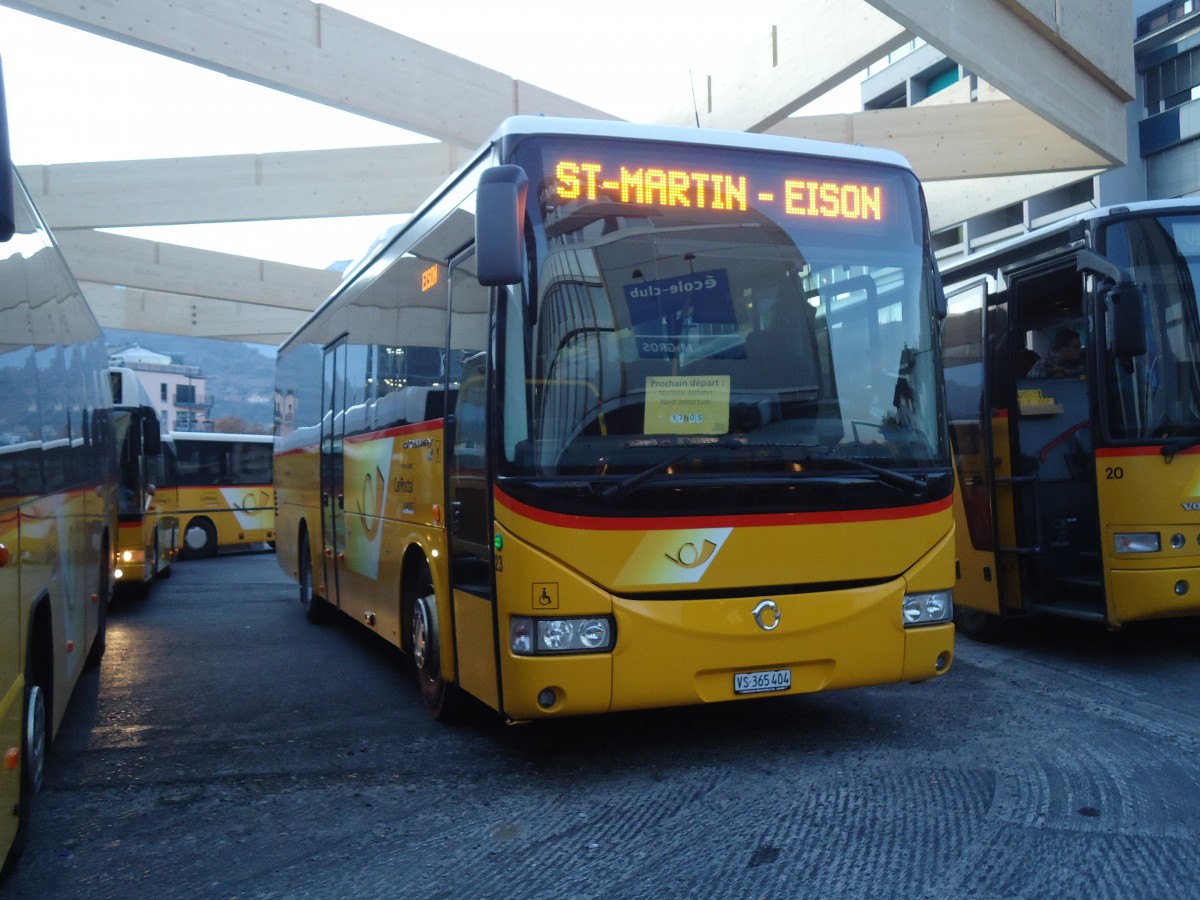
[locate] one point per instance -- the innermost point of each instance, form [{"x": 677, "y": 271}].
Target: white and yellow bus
[
  {"x": 223, "y": 494},
  {"x": 632, "y": 417},
  {"x": 148, "y": 539},
  {"x": 1073, "y": 382},
  {"x": 58, "y": 508}
]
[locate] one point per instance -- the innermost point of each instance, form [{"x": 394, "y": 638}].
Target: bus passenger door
[
  {"x": 468, "y": 486},
  {"x": 971, "y": 431},
  {"x": 1049, "y": 411},
  {"x": 333, "y": 503}
]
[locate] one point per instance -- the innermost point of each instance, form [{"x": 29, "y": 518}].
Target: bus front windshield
[
  {"x": 1156, "y": 395},
  {"x": 716, "y": 312}
]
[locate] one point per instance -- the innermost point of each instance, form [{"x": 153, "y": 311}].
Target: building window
[
  {"x": 941, "y": 81},
  {"x": 1164, "y": 16},
  {"x": 185, "y": 393},
  {"x": 163, "y": 391},
  {"x": 1170, "y": 83}
]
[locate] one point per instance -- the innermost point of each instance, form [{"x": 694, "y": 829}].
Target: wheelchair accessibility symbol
[{"x": 545, "y": 595}]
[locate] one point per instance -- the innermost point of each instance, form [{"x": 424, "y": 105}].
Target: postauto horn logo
[{"x": 673, "y": 557}]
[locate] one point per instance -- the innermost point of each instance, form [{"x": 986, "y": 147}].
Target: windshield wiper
[
  {"x": 617, "y": 490},
  {"x": 915, "y": 486},
  {"x": 910, "y": 483}
]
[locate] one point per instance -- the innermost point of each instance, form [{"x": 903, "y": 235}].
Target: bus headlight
[
  {"x": 528, "y": 636},
  {"x": 1137, "y": 542},
  {"x": 928, "y": 608}
]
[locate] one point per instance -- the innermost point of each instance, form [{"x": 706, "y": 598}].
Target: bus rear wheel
[
  {"x": 316, "y": 609},
  {"x": 200, "y": 539},
  {"x": 442, "y": 698}
]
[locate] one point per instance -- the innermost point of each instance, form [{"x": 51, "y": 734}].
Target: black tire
[
  {"x": 985, "y": 628},
  {"x": 103, "y": 594},
  {"x": 199, "y": 539},
  {"x": 316, "y": 609},
  {"x": 100, "y": 644},
  {"x": 34, "y": 741},
  {"x": 442, "y": 698}
]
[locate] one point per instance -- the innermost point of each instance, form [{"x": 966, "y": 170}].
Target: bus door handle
[
  {"x": 1016, "y": 479},
  {"x": 341, "y": 501},
  {"x": 455, "y": 514}
]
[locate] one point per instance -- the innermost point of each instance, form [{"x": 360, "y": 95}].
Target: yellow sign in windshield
[{"x": 687, "y": 405}]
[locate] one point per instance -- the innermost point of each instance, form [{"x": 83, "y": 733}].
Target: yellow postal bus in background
[
  {"x": 58, "y": 505},
  {"x": 630, "y": 417},
  {"x": 1073, "y": 380},
  {"x": 222, "y": 490},
  {"x": 148, "y": 539}
]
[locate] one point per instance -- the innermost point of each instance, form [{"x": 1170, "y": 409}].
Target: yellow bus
[
  {"x": 630, "y": 417},
  {"x": 148, "y": 539},
  {"x": 58, "y": 509},
  {"x": 1073, "y": 384},
  {"x": 222, "y": 488}
]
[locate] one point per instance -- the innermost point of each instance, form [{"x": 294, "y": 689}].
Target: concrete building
[
  {"x": 1062, "y": 72},
  {"x": 1163, "y": 125},
  {"x": 177, "y": 392}
]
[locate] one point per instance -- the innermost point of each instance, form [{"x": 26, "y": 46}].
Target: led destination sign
[{"x": 794, "y": 195}]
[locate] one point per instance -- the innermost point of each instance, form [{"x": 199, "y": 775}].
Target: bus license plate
[{"x": 762, "y": 682}]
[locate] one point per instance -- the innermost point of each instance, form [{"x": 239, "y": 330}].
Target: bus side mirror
[
  {"x": 940, "y": 306},
  {"x": 499, "y": 225},
  {"x": 1128, "y": 320},
  {"x": 8, "y": 203},
  {"x": 1124, "y": 297},
  {"x": 151, "y": 432}
]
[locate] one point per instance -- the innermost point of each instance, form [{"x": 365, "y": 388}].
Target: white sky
[{"x": 76, "y": 97}]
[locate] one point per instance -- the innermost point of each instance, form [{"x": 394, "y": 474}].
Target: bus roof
[
  {"x": 708, "y": 137},
  {"x": 519, "y": 126},
  {"x": 1041, "y": 238}
]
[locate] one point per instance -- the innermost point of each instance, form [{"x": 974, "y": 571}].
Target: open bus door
[
  {"x": 333, "y": 497},
  {"x": 979, "y": 435},
  {"x": 1046, "y": 503}
]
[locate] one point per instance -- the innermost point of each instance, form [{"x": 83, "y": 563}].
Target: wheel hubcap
[{"x": 420, "y": 636}]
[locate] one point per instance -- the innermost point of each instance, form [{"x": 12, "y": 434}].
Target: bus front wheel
[
  {"x": 440, "y": 696},
  {"x": 34, "y": 738},
  {"x": 986, "y": 628}
]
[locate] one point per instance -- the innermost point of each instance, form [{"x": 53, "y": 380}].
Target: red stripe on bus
[
  {"x": 1154, "y": 450},
  {"x": 627, "y": 523}
]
